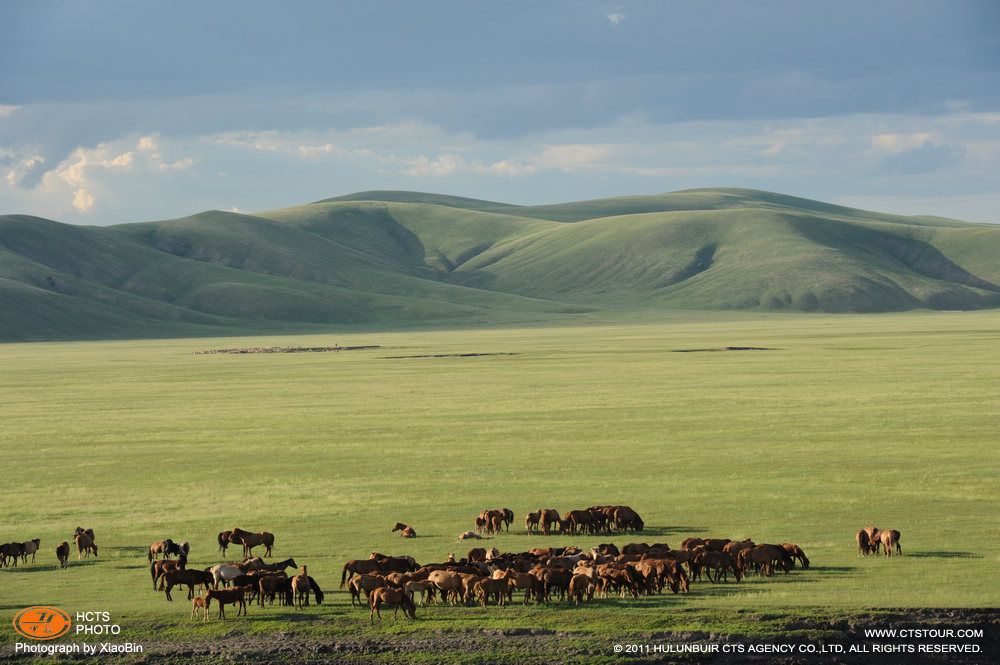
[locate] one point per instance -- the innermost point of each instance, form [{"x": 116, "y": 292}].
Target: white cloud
[
  {"x": 82, "y": 200},
  {"x": 6, "y": 110},
  {"x": 897, "y": 143},
  {"x": 616, "y": 19}
]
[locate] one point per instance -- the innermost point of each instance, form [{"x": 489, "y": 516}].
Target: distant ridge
[{"x": 394, "y": 258}]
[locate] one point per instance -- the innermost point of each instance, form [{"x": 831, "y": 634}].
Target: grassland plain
[{"x": 843, "y": 421}]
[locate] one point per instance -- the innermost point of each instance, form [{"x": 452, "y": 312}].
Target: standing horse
[
  {"x": 531, "y": 521},
  {"x": 359, "y": 566},
  {"x": 301, "y": 588},
  {"x": 164, "y": 547},
  {"x": 62, "y": 552},
  {"x": 889, "y": 538},
  {"x": 252, "y": 540}
]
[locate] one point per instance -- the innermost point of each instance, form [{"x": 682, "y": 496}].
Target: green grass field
[{"x": 844, "y": 421}]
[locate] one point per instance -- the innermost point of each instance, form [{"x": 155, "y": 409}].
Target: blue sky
[{"x": 124, "y": 111}]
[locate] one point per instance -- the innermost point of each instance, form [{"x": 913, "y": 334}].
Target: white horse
[{"x": 226, "y": 573}]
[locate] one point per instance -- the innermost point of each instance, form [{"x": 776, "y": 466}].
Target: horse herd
[
  {"x": 569, "y": 573},
  {"x": 244, "y": 581},
  {"x": 10, "y": 553},
  {"x": 483, "y": 575},
  {"x": 592, "y": 520}
]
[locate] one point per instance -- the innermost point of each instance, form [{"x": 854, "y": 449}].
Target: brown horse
[
  {"x": 62, "y": 552},
  {"x": 549, "y": 515},
  {"x": 359, "y": 566},
  {"x": 187, "y": 577},
  {"x": 164, "y": 547},
  {"x": 531, "y": 521},
  {"x": 393, "y": 597},
  {"x": 235, "y": 596},
  {"x": 873, "y": 539},
  {"x": 301, "y": 588},
  {"x": 252, "y": 540},
  {"x": 85, "y": 544},
  {"x": 889, "y": 539},
  {"x": 405, "y": 529},
  {"x": 225, "y": 538},
  {"x": 158, "y": 568},
  {"x": 796, "y": 553},
  {"x": 199, "y": 604},
  {"x": 721, "y": 563},
  {"x": 864, "y": 544}
]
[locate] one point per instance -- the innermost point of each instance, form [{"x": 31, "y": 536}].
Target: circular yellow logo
[{"x": 42, "y": 622}]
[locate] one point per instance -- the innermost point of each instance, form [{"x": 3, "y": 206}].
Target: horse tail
[
  {"x": 223, "y": 541},
  {"x": 149, "y": 554},
  {"x": 343, "y": 576}
]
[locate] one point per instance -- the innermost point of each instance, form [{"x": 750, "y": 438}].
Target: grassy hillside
[{"x": 405, "y": 258}]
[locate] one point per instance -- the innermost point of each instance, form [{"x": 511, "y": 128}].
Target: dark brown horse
[
  {"x": 62, "y": 552},
  {"x": 191, "y": 577},
  {"x": 252, "y": 540},
  {"x": 864, "y": 544},
  {"x": 360, "y": 567}
]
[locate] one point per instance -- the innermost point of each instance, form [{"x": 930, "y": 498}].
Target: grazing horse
[
  {"x": 252, "y": 540},
  {"x": 721, "y": 563},
  {"x": 796, "y": 553},
  {"x": 873, "y": 539},
  {"x": 864, "y": 544},
  {"x": 62, "y": 552},
  {"x": 317, "y": 592},
  {"x": 272, "y": 585},
  {"x": 359, "y": 566},
  {"x": 889, "y": 538}
]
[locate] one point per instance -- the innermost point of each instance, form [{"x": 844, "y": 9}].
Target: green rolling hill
[{"x": 409, "y": 258}]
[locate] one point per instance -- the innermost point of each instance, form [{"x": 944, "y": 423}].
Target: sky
[{"x": 132, "y": 110}]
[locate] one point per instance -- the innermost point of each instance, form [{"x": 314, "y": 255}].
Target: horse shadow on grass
[{"x": 942, "y": 555}]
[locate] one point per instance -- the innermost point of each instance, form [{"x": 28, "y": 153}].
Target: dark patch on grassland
[
  {"x": 287, "y": 349},
  {"x": 526, "y": 645},
  {"x": 726, "y": 348},
  {"x": 449, "y": 355}
]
